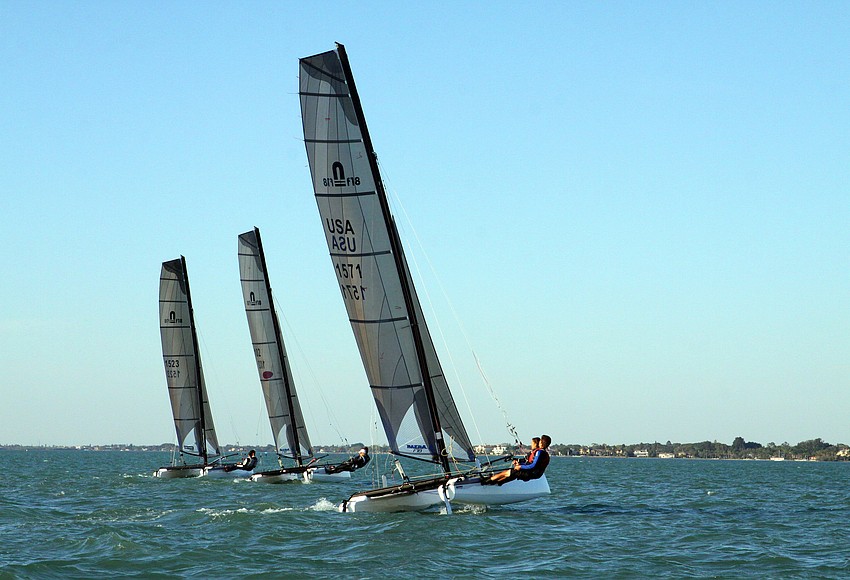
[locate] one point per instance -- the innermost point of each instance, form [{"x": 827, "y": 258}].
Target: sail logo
[
  {"x": 172, "y": 319},
  {"x": 339, "y": 179},
  {"x": 252, "y": 300},
  {"x": 417, "y": 448}
]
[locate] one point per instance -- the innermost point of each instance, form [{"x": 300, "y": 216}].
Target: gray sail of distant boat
[
  {"x": 415, "y": 404},
  {"x": 184, "y": 375},
  {"x": 287, "y": 422}
]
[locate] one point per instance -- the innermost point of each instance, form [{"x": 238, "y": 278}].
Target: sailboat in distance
[
  {"x": 184, "y": 375},
  {"x": 289, "y": 431},
  {"x": 411, "y": 392}
]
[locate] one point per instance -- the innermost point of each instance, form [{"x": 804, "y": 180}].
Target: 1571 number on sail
[{"x": 353, "y": 291}]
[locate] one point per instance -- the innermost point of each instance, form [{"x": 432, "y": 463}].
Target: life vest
[{"x": 536, "y": 471}]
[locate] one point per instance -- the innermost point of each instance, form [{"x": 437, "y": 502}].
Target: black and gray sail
[
  {"x": 183, "y": 372},
  {"x": 416, "y": 407},
  {"x": 287, "y": 421}
]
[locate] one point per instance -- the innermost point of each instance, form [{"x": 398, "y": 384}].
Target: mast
[
  {"x": 398, "y": 256},
  {"x": 203, "y": 440},
  {"x": 278, "y": 335}
]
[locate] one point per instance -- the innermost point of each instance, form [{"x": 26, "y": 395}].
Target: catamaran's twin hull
[
  {"x": 400, "y": 502},
  {"x": 180, "y": 471},
  {"x": 312, "y": 474},
  {"x": 456, "y": 490},
  {"x": 472, "y": 492},
  {"x": 278, "y": 476},
  {"x": 322, "y": 476},
  {"x": 221, "y": 473},
  {"x": 186, "y": 471}
]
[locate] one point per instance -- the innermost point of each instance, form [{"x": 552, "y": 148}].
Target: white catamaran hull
[
  {"x": 276, "y": 477},
  {"x": 402, "y": 502},
  {"x": 456, "y": 490},
  {"x": 221, "y": 473},
  {"x": 472, "y": 492},
  {"x": 322, "y": 476},
  {"x": 180, "y": 472}
]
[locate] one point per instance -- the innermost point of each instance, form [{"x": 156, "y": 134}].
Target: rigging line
[
  {"x": 332, "y": 420},
  {"x": 491, "y": 390},
  {"x": 510, "y": 426},
  {"x": 431, "y": 305},
  {"x": 212, "y": 369},
  {"x": 260, "y": 415},
  {"x": 374, "y": 468}
]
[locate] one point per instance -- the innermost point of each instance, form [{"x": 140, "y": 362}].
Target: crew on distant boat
[
  {"x": 247, "y": 464},
  {"x": 533, "y": 468},
  {"x": 353, "y": 464}
]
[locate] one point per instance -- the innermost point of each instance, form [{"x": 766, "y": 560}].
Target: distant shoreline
[{"x": 809, "y": 450}]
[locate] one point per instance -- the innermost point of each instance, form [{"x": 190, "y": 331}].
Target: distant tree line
[{"x": 811, "y": 449}]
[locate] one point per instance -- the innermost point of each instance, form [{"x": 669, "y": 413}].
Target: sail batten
[
  {"x": 413, "y": 398},
  {"x": 360, "y": 255},
  {"x": 332, "y": 141},
  {"x": 289, "y": 431},
  {"x": 379, "y": 321}
]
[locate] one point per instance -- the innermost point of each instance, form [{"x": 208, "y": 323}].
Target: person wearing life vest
[
  {"x": 535, "y": 445},
  {"x": 535, "y": 466},
  {"x": 247, "y": 464},
  {"x": 353, "y": 464}
]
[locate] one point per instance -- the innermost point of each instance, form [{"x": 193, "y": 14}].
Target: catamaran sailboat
[
  {"x": 184, "y": 375},
  {"x": 407, "y": 382},
  {"x": 287, "y": 422}
]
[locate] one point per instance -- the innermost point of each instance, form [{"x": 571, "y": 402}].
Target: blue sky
[{"x": 638, "y": 212}]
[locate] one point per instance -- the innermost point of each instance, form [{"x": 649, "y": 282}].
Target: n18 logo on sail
[
  {"x": 347, "y": 182},
  {"x": 339, "y": 179}
]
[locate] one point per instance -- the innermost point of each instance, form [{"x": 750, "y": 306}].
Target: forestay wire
[
  {"x": 509, "y": 425},
  {"x": 332, "y": 420}
]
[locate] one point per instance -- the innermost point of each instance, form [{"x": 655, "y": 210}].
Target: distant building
[{"x": 490, "y": 450}]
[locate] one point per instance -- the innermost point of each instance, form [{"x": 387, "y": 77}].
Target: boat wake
[
  {"x": 277, "y": 510},
  {"x": 473, "y": 509},
  {"x": 323, "y": 505}
]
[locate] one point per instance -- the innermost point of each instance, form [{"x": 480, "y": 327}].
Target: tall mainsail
[
  {"x": 183, "y": 373},
  {"x": 413, "y": 398},
  {"x": 287, "y": 421}
]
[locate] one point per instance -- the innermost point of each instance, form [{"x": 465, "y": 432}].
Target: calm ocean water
[{"x": 72, "y": 514}]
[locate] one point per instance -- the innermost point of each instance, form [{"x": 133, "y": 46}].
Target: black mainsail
[
  {"x": 181, "y": 357},
  {"x": 284, "y": 410},
  {"x": 410, "y": 390}
]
